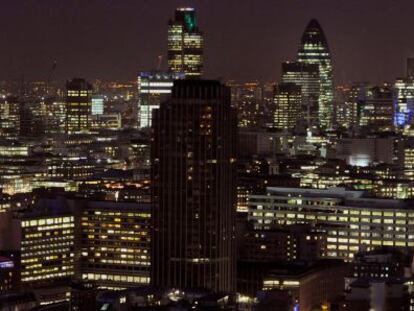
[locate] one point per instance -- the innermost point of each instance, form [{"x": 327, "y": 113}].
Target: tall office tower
[
  {"x": 377, "y": 110},
  {"x": 403, "y": 102},
  {"x": 153, "y": 88},
  {"x": 247, "y": 99},
  {"x": 193, "y": 156},
  {"x": 307, "y": 77},
  {"x": 185, "y": 44},
  {"x": 287, "y": 100},
  {"x": 348, "y": 105},
  {"x": 314, "y": 50},
  {"x": 78, "y": 106},
  {"x": 410, "y": 67}
]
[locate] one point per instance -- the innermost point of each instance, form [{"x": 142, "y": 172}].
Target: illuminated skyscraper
[
  {"x": 377, "y": 110},
  {"x": 78, "y": 106},
  {"x": 403, "y": 102},
  {"x": 185, "y": 44},
  {"x": 287, "y": 100},
  {"x": 307, "y": 77},
  {"x": 193, "y": 156},
  {"x": 314, "y": 50},
  {"x": 153, "y": 88}
]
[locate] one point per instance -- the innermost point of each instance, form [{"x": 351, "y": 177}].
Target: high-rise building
[
  {"x": 377, "y": 110},
  {"x": 78, "y": 106},
  {"x": 185, "y": 44},
  {"x": 403, "y": 102},
  {"x": 193, "y": 173},
  {"x": 287, "y": 100},
  {"x": 348, "y": 105},
  {"x": 153, "y": 88},
  {"x": 307, "y": 77},
  {"x": 314, "y": 50}
]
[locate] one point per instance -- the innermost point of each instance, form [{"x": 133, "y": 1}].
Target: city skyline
[{"x": 114, "y": 40}]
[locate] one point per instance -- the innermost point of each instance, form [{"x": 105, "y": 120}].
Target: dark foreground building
[{"x": 194, "y": 188}]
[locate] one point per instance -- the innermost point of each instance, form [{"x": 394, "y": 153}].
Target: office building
[
  {"x": 193, "y": 156},
  {"x": 47, "y": 247},
  {"x": 306, "y": 76},
  {"x": 351, "y": 221},
  {"x": 185, "y": 44},
  {"x": 9, "y": 117},
  {"x": 153, "y": 88},
  {"x": 78, "y": 106},
  {"x": 98, "y": 102},
  {"x": 314, "y": 50},
  {"x": 377, "y": 111},
  {"x": 283, "y": 244},
  {"x": 114, "y": 243},
  {"x": 403, "y": 102},
  {"x": 288, "y": 102}
]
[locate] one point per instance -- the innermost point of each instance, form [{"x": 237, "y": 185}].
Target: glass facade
[
  {"x": 314, "y": 50},
  {"x": 153, "y": 88},
  {"x": 287, "y": 101},
  {"x": 307, "y": 77}
]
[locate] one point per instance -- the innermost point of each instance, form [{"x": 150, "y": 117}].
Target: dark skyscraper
[
  {"x": 314, "y": 50},
  {"x": 78, "y": 106},
  {"x": 185, "y": 44},
  {"x": 194, "y": 188}
]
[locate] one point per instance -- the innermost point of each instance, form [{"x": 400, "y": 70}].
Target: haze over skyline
[{"x": 244, "y": 40}]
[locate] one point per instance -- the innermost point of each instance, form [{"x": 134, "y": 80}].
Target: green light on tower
[{"x": 189, "y": 21}]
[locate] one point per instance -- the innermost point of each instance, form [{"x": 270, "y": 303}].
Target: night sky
[{"x": 245, "y": 40}]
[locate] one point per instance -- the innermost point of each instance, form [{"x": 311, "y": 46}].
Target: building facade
[
  {"x": 314, "y": 50},
  {"x": 352, "y": 222},
  {"x": 114, "y": 243},
  {"x": 193, "y": 173},
  {"x": 78, "y": 106},
  {"x": 307, "y": 77},
  {"x": 185, "y": 44},
  {"x": 153, "y": 88},
  {"x": 288, "y": 101},
  {"x": 403, "y": 102}
]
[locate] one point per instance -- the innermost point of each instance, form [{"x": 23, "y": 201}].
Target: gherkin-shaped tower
[{"x": 314, "y": 50}]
